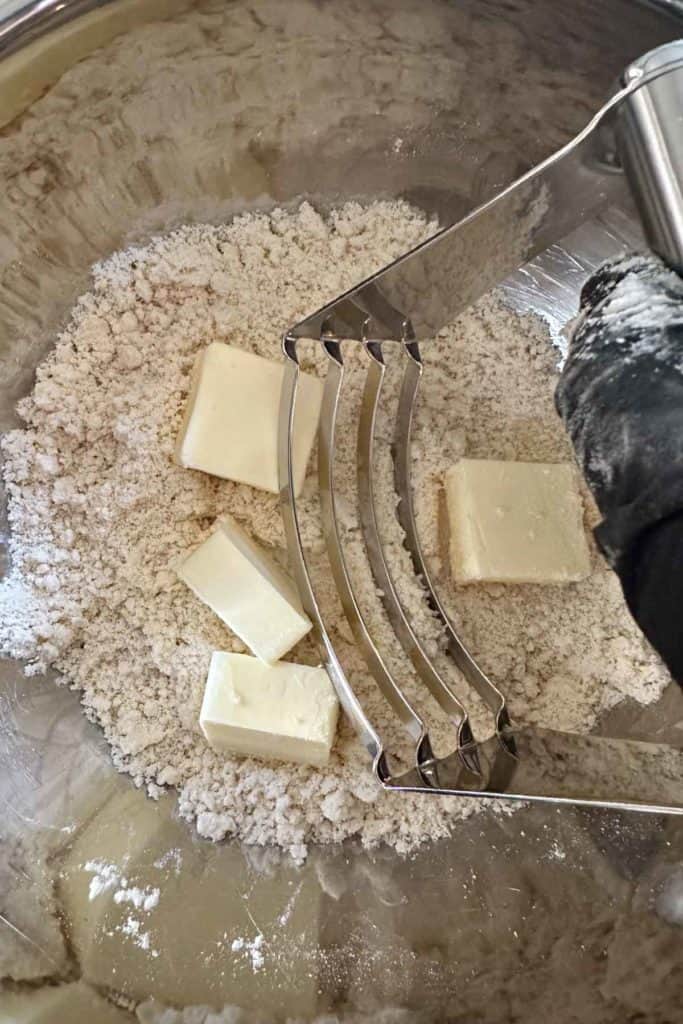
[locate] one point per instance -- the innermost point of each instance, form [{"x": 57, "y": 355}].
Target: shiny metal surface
[
  {"x": 650, "y": 142},
  {"x": 309, "y": 603},
  {"x": 215, "y": 107},
  {"x": 21, "y": 23},
  {"x": 408, "y": 716},
  {"x": 400, "y": 621},
  {"x": 429, "y": 287},
  {"x": 402, "y": 460}
]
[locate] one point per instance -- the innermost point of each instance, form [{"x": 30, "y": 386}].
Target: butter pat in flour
[
  {"x": 230, "y": 428},
  {"x": 247, "y": 590},
  {"x": 515, "y": 522},
  {"x": 282, "y": 712}
]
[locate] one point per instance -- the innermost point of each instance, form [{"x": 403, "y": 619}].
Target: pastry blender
[{"x": 631, "y": 150}]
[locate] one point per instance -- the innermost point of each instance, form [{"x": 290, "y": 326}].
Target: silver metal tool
[{"x": 637, "y": 131}]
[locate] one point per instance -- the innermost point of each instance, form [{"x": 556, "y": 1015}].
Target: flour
[
  {"x": 132, "y": 928},
  {"x": 101, "y": 515},
  {"x": 108, "y": 876},
  {"x": 142, "y": 899},
  {"x": 637, "y": 305},
  {"x": 105, "y": 877},
  {"x": 171, "y": 859},
  {"x": 253, "y": 949}
]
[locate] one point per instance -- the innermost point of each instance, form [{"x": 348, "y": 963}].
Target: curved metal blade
[
  {"x": 564, "y": 768},
  {"x": 462, "y": 658},
  {"x": 410, "y": 641},
  {"x": 409, "y": 718},
  {"x": 347, "y": 698},
  {"x": 434, "y": 282}
]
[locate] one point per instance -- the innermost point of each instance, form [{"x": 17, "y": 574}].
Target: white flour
[
  {"x": 253, "y": 949},
  {"x": 104, "y": 877},
  {"x": 108, "y": 876},
  {"x": 108, "y": 879},
  {"x": 100, "y": 515}
]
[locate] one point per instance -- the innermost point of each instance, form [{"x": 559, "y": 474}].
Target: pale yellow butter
[
  {"x": 283, "y": 712},
  {"x": 230, "y": 428},
  {"x": 247, "y": 590},
  {"x": 515, "y": 522}
]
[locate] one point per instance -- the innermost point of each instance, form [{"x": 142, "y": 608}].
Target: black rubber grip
[{"x": 621, "y": 397}]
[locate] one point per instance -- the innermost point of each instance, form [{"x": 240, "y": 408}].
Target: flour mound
[{"x": 101, "y": 515}]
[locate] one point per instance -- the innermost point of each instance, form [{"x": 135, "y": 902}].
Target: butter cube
[
  {"x": 515, "y": 522},
  {"x": 247, "y": 590},
  {"x": 230, "y": 427},
  {"x": 284, "y": 712}
]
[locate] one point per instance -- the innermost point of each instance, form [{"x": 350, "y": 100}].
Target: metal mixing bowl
[{"x": 125, "y": 117}]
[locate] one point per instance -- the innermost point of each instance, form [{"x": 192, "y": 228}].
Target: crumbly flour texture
[{"x": 100, "y": 516}]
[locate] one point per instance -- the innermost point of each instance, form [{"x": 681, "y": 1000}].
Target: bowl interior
[{"x": 134, "y": 117}]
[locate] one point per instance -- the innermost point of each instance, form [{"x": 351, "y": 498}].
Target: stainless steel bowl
[{"x": 121, "y": 118}]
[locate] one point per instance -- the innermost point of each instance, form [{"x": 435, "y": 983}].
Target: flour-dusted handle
[{"x": 650, "y": 146}]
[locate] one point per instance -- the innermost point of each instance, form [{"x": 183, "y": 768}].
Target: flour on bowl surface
[{"x": 101, "y": 515}]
